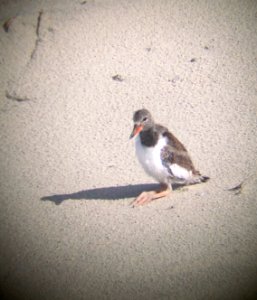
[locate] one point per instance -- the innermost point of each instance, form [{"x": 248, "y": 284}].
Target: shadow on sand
[{"x": 105, "y": 193}]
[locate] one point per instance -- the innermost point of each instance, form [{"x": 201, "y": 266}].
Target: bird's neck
[{"x": 149, "y": 137}]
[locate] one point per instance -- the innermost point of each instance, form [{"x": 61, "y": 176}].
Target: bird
[{"x": 162, "y": 156}]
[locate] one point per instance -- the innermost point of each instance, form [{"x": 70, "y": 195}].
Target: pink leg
[{"x": 147, "y": 197}]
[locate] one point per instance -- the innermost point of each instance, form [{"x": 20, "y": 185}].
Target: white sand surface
[{"x": 68, "y": 170}]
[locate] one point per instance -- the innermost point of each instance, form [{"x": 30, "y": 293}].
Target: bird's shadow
[{"x": 104, "y": 193}]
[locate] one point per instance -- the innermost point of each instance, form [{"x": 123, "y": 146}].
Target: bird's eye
[{"x": 145, "y": 119}]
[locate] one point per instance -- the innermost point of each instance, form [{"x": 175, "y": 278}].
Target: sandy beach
[{"x": 72, "y": 74}]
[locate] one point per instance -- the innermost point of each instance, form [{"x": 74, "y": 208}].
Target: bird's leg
[{"x": 147, "y": 197}]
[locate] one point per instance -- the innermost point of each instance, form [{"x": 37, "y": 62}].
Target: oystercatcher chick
[{"x": 162, "y": 156}]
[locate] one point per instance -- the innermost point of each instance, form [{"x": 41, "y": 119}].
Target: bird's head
[{"x": 142, "y": 122}]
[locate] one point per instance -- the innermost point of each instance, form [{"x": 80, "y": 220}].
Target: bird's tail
[
  {"x": 198, "y": 179},
  {"x": 204, "y": 178}
]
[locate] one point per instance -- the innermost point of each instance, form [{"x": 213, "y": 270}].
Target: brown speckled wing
[
  {"x": 174, "y": 142},
  {"x": 176, "y": 153}
]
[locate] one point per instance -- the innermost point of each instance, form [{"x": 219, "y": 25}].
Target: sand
[{"x": 72, "y": 73}]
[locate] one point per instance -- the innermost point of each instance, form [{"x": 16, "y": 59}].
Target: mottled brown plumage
[{"x": 162, "y": 156}]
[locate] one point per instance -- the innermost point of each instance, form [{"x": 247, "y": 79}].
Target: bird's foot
[
  {"x": 143, "y": 198},
  {"x": 147, "y": 197}
]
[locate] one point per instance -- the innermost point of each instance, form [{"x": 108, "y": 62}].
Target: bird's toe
[{"x": 142, "y": 199}]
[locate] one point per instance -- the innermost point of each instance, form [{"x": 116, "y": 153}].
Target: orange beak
[{"x": 136, "y": 130}]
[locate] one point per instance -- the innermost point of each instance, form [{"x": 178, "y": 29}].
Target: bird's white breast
[{"x": 150, "y": 159}]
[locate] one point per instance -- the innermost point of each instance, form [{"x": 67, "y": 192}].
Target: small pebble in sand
[
  {"x": 7, "y": 24},
  {"x": 171, "y": 207},
  {"x": 117, "y": 77}
]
